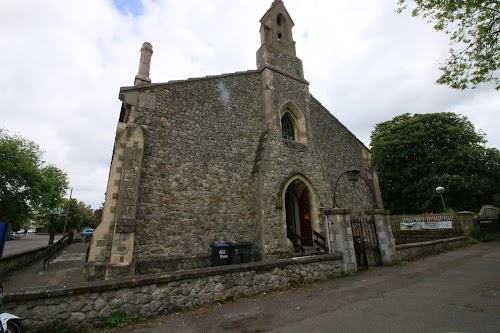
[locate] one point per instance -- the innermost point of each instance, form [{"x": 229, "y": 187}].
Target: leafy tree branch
[
  {"x": 28, "y": 186},
  {"x": 474, "y": 29}
]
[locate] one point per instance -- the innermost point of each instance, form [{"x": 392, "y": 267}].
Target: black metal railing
[
  {"x": 320, "y": 242},
  {"x": 295, "y": 241},
  {"x": 53, "y": 251}
]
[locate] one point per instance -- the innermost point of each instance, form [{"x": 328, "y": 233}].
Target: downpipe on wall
[{"x": 330, "y": 250}]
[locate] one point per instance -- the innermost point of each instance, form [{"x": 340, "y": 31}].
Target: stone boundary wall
[
  {"x": 13, "y": 262},
  {"x": 90, "y": 304},
  {"x": 407, "y": 252},
  {"x": 410, "y": 239}
]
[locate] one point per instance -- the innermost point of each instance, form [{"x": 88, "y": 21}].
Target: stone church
[{"x": 249, "y": 156}]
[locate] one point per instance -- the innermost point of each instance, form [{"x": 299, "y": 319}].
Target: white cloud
[{"x": 64, "y": 61}]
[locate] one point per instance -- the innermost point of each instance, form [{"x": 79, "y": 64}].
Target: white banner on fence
[
  {"x": 408, "y": 224},
  {"x": 437, "y": 225}
]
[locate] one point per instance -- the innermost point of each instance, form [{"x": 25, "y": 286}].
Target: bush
[
  {"x": 478, "y": 236},
  {"x": 476, "y": 233}
]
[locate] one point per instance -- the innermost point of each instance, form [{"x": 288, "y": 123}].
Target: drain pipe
[{"x": 328, "y": 235}]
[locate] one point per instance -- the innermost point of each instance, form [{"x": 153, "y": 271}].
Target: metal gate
[
  {"x": 489, "y": 225},
  {"x": 364, "y": 236}
]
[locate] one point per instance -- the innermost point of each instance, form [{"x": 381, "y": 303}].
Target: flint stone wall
[
  {"x": 196, "y": 180},
  {"x": 89, "y": 304},
  {"x": 342, "y": 151},
  {"x": 279, "y": 60},
  {"x": 409, "y": 239}
]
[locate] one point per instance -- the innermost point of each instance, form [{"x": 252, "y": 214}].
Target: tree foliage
[
  {"x": 27, "y": 185},
  {"x": 98, "y": 214},
  {"x": 474, "y": 28},
  {"x": 79, "y": 215},
  {"x": 415, "y": 154}
]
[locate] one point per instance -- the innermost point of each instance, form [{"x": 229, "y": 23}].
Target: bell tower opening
[
  {"x": 276, "y": 29},
  {"x": 280, "y": 26}
]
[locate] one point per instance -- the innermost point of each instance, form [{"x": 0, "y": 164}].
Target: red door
[{"x": 305, "y": 218}]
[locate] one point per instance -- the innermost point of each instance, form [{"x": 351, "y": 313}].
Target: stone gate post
[
  {"x": 340, "y": 236},
  {"x": 385, "y": 237},
  {"x": 466, "y": 221}
]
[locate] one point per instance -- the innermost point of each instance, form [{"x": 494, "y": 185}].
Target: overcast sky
[{"x": 63, "y": 62}]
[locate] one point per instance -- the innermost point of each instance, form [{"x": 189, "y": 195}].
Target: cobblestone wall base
[{"x": 90, "y": 304}]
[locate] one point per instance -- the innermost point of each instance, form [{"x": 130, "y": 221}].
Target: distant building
[{"x": 245, "y": 156}]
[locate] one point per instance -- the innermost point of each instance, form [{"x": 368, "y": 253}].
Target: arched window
[
  {"x": 287, "y": 127},
  {"x": 293, "y": 123},
  {"x": 281, "y": 30}
]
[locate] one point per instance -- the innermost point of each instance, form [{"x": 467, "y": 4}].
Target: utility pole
[
  {"x": 80, "y": 223},
  {"x": 67, "y": 212}
]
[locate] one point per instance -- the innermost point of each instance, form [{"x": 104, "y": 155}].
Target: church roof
[{"x": 146, "y": 86}]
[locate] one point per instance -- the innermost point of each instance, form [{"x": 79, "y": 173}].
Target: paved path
[
  {"x": 66, "y": 268},
  {"x": 457, "y": 291}
]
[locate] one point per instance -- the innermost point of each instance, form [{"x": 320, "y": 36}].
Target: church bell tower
[{"x": 277, "y": 45}]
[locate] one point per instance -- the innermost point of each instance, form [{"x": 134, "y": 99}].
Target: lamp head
[
  {"x": 353, "y": 176},
  {"x": 440, "y": 190}
]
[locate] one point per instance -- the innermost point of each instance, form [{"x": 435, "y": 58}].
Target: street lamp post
[
  {"x": 440, "y": 191},
  {"x": 353, "y": 176},
  {"x": 52, "y": 227}
]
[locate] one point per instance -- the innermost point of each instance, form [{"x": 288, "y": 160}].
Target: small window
[{"x": 287, "y": 127}]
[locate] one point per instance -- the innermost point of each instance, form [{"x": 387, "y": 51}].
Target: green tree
[
  {"x": 474, "y": 28},
  {"x": 415, "y": 154},
  {"x": 79, "y": 215},
  {"x": 27, "y": 185},
  {"x": 98, "y": 214}
]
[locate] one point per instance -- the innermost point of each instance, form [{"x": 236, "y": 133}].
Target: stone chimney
[{"x": 142, "y": 76}]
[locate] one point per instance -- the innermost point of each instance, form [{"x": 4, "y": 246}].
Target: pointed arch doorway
[{"x": 298, "y": 211}]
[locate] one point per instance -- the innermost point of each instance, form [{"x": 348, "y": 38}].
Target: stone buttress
[{"x": 111, "y": 252}]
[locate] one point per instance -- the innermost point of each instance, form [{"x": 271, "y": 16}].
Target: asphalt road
[
  {"x": 457, "y": 291},
  {"x": 26, "y": 243}
]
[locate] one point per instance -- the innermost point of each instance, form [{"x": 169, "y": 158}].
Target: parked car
[
  {"x": 14, "y": 235},
  {"x": 31, "y": 231},
  {"x": 87, "y": 232}
]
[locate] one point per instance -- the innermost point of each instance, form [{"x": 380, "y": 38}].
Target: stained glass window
[{"x": 287, "y": 127}]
